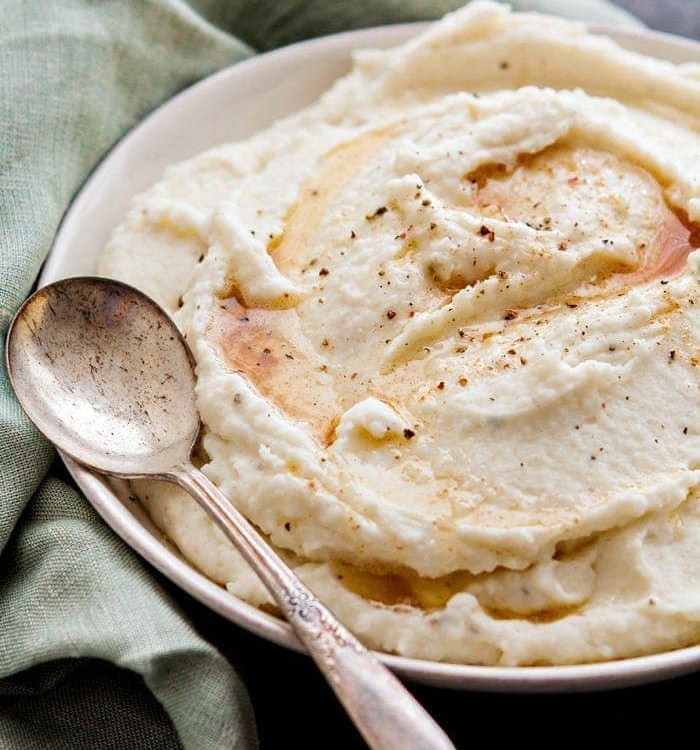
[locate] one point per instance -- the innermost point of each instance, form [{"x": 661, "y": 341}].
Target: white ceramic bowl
[{"x": 234, "y": 104}]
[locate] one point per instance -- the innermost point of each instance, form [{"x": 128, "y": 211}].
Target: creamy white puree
[{"x": 446, "y": 330}]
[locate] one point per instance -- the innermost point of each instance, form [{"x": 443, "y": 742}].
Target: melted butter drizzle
[
  {"x": 666, "y": 255},
  {"x": 268, "y": 348},
  {"x": 295, "y": 244},
  {"x": 406, "y": 589}
]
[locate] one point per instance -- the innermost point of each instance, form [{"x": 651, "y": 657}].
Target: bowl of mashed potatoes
[{"x": 445, "y": 320}]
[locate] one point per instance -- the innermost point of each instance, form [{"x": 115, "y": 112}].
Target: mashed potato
[{"x": 446, "y": 330}]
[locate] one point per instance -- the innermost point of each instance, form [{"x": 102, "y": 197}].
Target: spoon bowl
[{"x": 106, "y": 374}]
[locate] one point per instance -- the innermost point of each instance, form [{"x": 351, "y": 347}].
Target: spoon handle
[{"x": 386, "y": 714}]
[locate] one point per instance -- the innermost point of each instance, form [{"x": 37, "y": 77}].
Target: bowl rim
[{"x": 111, "y": 498}]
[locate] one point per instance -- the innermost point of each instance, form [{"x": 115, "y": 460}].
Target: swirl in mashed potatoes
[{"x": 446, "y": 330}]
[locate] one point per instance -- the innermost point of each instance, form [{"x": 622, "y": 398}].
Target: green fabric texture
[{"x": 91, "y": 648}]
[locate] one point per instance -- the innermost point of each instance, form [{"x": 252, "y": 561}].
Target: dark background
[
  {"x": 675, "y": 16},
  {"x": 295, "y": 708}
]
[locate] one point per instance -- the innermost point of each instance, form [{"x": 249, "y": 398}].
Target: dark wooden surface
[{"x": 674, "y": 16}]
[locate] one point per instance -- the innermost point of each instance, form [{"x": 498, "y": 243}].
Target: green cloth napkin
[{"x": 91, "y": 648}]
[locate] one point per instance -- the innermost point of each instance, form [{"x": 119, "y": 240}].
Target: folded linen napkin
[{"x": 93, "y": 653}]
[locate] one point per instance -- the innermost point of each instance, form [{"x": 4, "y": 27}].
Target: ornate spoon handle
[{"x": 386, "y": 714}]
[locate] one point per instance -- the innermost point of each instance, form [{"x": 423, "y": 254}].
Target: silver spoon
[{"x": 105, "y": 374}]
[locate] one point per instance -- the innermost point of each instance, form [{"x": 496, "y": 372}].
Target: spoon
[{"x": 105, "y": 374}]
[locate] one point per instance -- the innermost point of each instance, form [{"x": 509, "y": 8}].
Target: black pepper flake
[
  {"x": 433, "y": 225},
  {"x": 425, "y": 202},
  {"x": 323, "y": 272},
  {"x": 671, "y": 355},
  {"x": 352, "y": 234},
  {"x": 391, "y": 314},
  {"x": 441, "y": 385},
  {"x": 408, "y": 434},
  {"x": 287, "y": 526},
  {"x": 510, "y": 315},
  {"x": 379, "y": 212},
  {"x": 289, "y": 356},
  {"x": 484, "y": 231},
  {"x": 266, "y": 350},
  {"x": 685, "y": 430}
]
